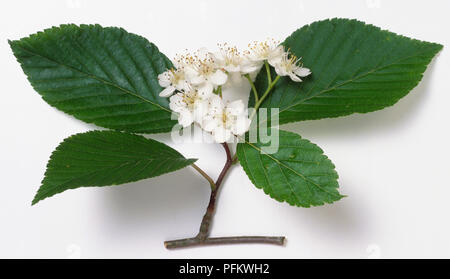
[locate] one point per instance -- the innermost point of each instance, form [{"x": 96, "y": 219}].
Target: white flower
[
  {"x": 288, "y": 66},
  {"x": 231, "y": 60},
  {"x": 198, "y": 76},
  {"x": 173, "y": 79},
  {"x": 190, "y": 106},
  {"x": 228, "y": 58},
  {"x": 269, "y": 50},
  {"x": 203, "y": 72},
  {"x": 224, "y": 121},
  {"x": 235, "y": 64}
]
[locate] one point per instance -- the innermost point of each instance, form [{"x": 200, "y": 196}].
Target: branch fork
[{"x": 202, "y": 238}]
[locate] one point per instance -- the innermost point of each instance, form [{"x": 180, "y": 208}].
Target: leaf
[
  {"x": 105, "y": 76},
  {"x": 356, "y": 68},
  {"x": 101, "y": 158},
  {"x": 298, "y": 173}
]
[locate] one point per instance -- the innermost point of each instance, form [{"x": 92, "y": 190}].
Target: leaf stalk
[{"x": 205, "y": 175}]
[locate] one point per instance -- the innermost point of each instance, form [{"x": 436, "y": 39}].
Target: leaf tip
[
  {"x": 38, "y": 197},
  {"x": 35, "y": 200},
  {"x": 11, "y": 43}
]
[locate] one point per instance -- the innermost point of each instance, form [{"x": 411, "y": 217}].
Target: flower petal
[
  {"x": 164, "y": 79},
  {"x": 197, "y": 79},
  {"x": 185, "y": 118},
  {"x": 276, "y": 55},
  {"x": 280, "y": 70},
  {"x": 167, "y": 91},
  {"x": 251, "y": 66},
  {"x": 181, "y": 85},
  {"x": 233, "y": 68},
  {"x": 200, "y": 110},
  {"x": 235, "y": 107},
  {"x": 215, "y": 105},
  {"x": 176, "y": 103},
  {"x": 303, "y": 72},
  {"x": 218, "y": 57},
  {"x": 218, "y": 78},
  {"x": 209, "y": 124},
  {"x": 242, "y": 125},
  {"x": 205, "y": 90},
  {"x": 221, "y": 134},
  {"x": 294, "y": 77}
]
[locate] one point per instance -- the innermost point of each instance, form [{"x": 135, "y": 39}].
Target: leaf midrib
[
  {"x": 349, "y": 81},
  {"x": 100, "y": 170},
  {"x": 94, "y": 77},
  {"x": 294, "y": 171}
]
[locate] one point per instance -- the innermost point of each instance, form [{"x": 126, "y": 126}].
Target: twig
[
  {"x": 202, "y": 237},
  {"x": 209, "y": 214},
  {"x": 188, "y": 242},
  {"x": 207, "y": 177}
]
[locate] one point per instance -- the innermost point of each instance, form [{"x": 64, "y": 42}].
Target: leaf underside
[
  {"x": 356, "y": 68},
  {"x": 101, "y": 158},
  {"x": 104, "y": 76},
  {"x": 299, "y": 173}
]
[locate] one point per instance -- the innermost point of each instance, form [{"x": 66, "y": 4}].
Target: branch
[
  {"x": 202, "y": 238},
  {"x": 209, "y": 214},
  {"x": 188, "y": 242}
]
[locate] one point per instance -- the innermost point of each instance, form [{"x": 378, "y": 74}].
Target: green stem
[
  {"x": 269, "y": 88},
  {"x": 269, "y": 75},
  {"x": 219, "y": 90},
  {"x": 255, "y": 92}
]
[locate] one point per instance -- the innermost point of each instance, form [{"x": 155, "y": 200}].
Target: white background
[{"x": 393, "y": 164}]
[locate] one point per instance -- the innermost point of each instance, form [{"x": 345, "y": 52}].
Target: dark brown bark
[{"x": 202, "y": 237}]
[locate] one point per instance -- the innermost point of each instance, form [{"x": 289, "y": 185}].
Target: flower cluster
[{"x": 195, "y": 84}]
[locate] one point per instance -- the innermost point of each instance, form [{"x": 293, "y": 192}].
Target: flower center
[
  {"x": 205, "y": 67},
  {"x": 263, "y": 49},
  {"x": 289, "y": 62},
  {"x": 227, "y": 120},
  {"x": 190, "y": 98},
  {"x": 232, "y": 57},
  {"x": 176, "y": 76}
]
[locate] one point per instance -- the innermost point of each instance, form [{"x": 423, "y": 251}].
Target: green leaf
[
  {"x": 105, "y": 76},
  {"x": 101, "y": 158},
  {"x": 298, "y": 173},
  {"x": 356, "y": 68}
]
